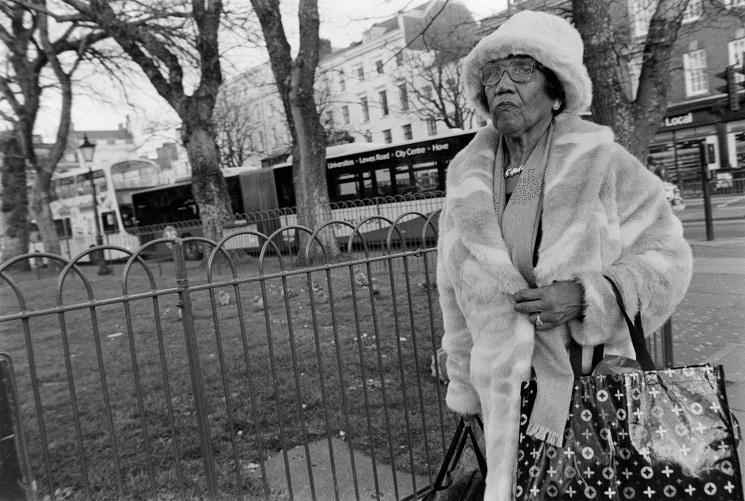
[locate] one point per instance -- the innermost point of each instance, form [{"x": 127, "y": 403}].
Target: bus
[
  {"x": 363, "y": 180},
  {"x": 73, "y": 210}
]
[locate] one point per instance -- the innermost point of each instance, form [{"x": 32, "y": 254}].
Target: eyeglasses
[{"x": 520, "y": 70}]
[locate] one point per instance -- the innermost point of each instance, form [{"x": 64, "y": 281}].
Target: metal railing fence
[
  {"x": 207, "y": 379},
  {"x": 240, "y": 376}
]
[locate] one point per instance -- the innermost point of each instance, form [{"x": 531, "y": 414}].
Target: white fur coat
[{"x": 603, "y": 214}]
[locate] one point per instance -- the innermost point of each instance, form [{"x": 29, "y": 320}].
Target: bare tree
[
  {"x": 436, "y": 43},
  {"x": 295, "y": 79},
  {"x": 174, "y": 43},
  {"x": 25, "y": 34},
  {"x": 611, "y": 48},
  {"x": 635, "y": 119},
  {"x": 235, "y": 129}
]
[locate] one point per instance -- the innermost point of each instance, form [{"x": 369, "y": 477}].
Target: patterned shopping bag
[{"x": 653, "y": 435}]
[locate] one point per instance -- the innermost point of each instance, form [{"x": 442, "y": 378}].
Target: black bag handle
[
  {"x": 636, "y": 330},
  {"x": 637, "y": 340},
  {"x": 462, "y": 432}
]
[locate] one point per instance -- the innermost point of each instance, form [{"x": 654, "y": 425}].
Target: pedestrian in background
[
  {"x": 540, "y": 208},
  {"x": 657, "y": 168}
]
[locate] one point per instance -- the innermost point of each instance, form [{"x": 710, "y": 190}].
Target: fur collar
[{"x": 576, "y": 147}]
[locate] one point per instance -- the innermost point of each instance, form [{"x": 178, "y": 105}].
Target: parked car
[
  {"x": 723, "y": 181},
  {"x": 672, "y": 192}
]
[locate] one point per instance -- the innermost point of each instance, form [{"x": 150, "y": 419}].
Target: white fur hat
[{"x": 548, "y": 39}]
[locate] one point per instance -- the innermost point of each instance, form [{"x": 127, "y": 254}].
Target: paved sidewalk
[{"x": 709, "y": 324}]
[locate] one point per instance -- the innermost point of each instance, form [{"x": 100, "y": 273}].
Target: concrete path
[{"x": 323, "y": 479}]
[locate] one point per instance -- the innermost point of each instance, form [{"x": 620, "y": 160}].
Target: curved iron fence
[{"x": 274, "y": 374}]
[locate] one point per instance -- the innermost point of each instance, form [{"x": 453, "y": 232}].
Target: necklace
[{"x": 514, "y": 171}]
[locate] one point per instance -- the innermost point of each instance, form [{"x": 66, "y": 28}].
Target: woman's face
[{"x": 516, "y": 107}]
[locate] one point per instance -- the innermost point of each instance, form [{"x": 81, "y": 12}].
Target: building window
[
  {"x": 345, "y": 114},
  {"x": 404, "y": 97},
  {"x": 427, "y": 91},
  {"x": 431, "y": 126},
  {"x": 406, "y": 129},
  {"x": 399, "y": 58},
  {"x": 368, "y": 136},
  {"x": 330, "y": 119},
  {"x": 694, "y": 69},
  {"x": 387, "y": 136},
  {"x": 379, "y": 66},
  {"x": 383, "y": 102},
  {"x": 259, "y": 142},
  {"x": 361, "y": 73},
  {"x": 342, "y": 80},
  {"x": 365, "y": 109},
  {"x": 693, "y": 11},
  {"x": 736, "y": 48}
]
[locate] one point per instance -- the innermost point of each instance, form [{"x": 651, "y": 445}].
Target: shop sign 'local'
[{"x": 678, "y": 120}]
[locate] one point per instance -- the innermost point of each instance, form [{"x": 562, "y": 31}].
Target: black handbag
[
  {"x": 453, "y": 482},
  {"x": 636, "y": 435}
]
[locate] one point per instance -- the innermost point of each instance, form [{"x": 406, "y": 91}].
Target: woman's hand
[{"x": 551, "y": 305}]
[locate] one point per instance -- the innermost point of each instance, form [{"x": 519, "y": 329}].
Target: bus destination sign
[{"x": 397, "y": 153}]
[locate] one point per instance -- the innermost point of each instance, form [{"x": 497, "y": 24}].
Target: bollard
[{"x": 11, "y": 470}]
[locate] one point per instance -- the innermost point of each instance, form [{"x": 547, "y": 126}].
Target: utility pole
[{"x": 706, "y": 185}]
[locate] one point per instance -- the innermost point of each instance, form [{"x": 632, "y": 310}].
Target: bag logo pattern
[{"x": 653, "y": 435}]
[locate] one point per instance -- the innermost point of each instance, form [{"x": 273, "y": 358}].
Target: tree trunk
[
  {"x": 208, "y": 184},
  {"x": 14, "y": 200},
  {"x": 294, "y": 79},
  {"x": 608, "y": 48},
  {"x": 309, "y": 170}
]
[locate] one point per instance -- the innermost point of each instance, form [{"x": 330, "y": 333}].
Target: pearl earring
[{"x": 556, "y": 105}]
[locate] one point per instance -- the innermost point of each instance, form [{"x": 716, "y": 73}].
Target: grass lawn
[{"x": 106, "y": 392}]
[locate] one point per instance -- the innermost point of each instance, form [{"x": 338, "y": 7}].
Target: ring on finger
[{"x": 538, "y": 321}]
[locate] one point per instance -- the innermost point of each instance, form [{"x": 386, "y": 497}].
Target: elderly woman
[{"x": 541, "y": 207}]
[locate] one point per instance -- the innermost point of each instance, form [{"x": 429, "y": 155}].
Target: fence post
[
  {"x": 11, "y": 444},
  {"x": 195, "y": 368}
]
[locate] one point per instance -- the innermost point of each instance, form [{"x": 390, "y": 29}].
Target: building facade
[
  {"x": 700, "y": 127},
  {"x": 374, "y": 91}
]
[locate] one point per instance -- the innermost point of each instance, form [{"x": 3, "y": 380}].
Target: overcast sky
[{"x": 342, "y": 22}]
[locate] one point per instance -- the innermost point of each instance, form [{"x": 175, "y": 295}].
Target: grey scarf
[{"x": 520, "y": 219}]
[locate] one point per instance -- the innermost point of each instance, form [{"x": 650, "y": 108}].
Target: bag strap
[
  {"x": 474, "y": 441},
  {"x": 636, "y": 330},
  {"x": 462, "y": 432}
]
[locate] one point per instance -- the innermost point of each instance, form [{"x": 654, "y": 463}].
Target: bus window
[
  {"x": 135, "y": 174},
  {"x": 346, "y": 186},
  {"x": 84, "y": 184},
  {"x": 367, "y": 185},
  {"x": 383, "y": 181},
  {"x": 285, "y": 187},
  {"x": 110, "y": 224},
  {"x": 403, "y": 180},
  {"x": 128, "y": 215},
  {"x": 425, "y": 176},
  {"x": 65, "y": 187}
]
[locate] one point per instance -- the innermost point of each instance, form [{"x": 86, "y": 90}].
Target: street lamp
[{"x": 87, "y": 149}]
